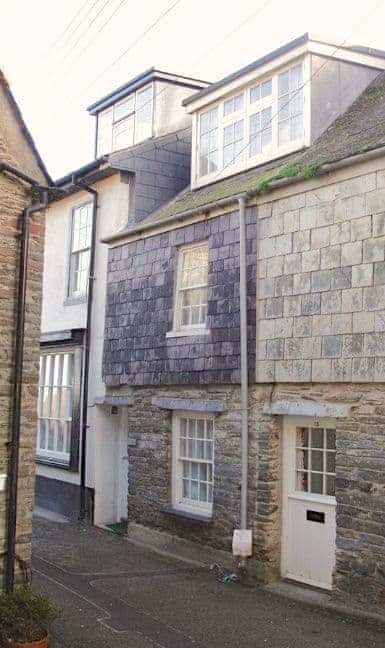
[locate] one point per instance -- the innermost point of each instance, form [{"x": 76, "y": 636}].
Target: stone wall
[
  {"x": 140, "y": 295},
  {"x": 13, "y": 199},
  {"x": 360, "y": 477},
  {"x": 321, "y": 274}
]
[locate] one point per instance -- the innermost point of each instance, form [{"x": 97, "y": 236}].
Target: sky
[{"x": 59, "y": 57}]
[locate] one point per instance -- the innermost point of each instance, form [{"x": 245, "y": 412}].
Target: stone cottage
[
  {"x": 22, "y": 173},
  {"x": 255, "y": 302}
]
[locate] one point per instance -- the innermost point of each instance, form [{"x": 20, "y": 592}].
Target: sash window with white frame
[
  {"x": 191, "y": 288},
  {"x": 193, "y": 462},
  {"x": 55, "y": 405},
  {"x": 80, "y": 250}
]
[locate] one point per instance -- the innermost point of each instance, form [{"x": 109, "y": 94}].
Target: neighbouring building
[
  {"x": 143, "y": 144},
  {"x": 22, "y": 173},
  {"x": 288, "y": 155}
]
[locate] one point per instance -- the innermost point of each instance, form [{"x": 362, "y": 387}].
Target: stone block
[
  {"x": 325, "y": 194},
  {"x": 291, "y": 221},
  {"x": 284, "y": 285},
  {"x": 341, "y": 369},
  {"x": 362, "y": 275},
  {"x": 359, "y": 185},
  {"x": 351, "y": 253},
  {"x": 308, "y": 218},
  {"x": 320, "y": 237},
  {"x": 301, "y": 283},
  {"x": 321, "y": 280},
  {"x": 284, "y": 327},
  {"x": 302, "y": 327},
  {"x": 374, "y": 250},
  {"x": 292, "y": 306},
  {"x": 262, "y": 268},
  {"x": 261, "y": 349},
  {"x": 311, "y": 260},
  {"x": 283, "y": 244},
  {"x": 375, "y": 201},
  {"x": 363, "y": 370},
  {"x": 341, "y": 278},
  {"x": 266, "y": 287},
  {"x": 274, "y": 349},
  {"x": 349, "y": 208},
  {"x": 351, "y": 300},
  {"x": 301, "y": 241},
  {"x": 361, "y": 228},
  {"x": 274, "y": 307},
  {"x": 342, "y": 323},
  {"x": 379, "y": 224},
  {"x": 275, "y": 266},
  {"x": 374, "y": 344},
  {"x": 266, "y": 329},
  {"x": 353, "y": 345},
  {"x": 379, "y": 369},
  {"x": 321, "y": 370},
  {"x": 293, "y": 348},
  {"x": 311, "y": 304},
  {"x": 322, "y": 325},
  {"x": 332, "y": 346},
  {"x": 325, "y": 214},
  {"x": 276, "y": 224},
  {"x": 331, "y": 302},
  {"x": 340, "y": 233},
  {"x": 311, "y": 347},
  {"x": 331, "y": 257},
  {"x": 363, "y": 322},
  {"x": 292, "y": 263},
  {"x": 379, "y": 321},
  {"x": 288, "y": 204},
  {"x": 264, "y": 210},
  {"x": 374, "y": 298},
  {"x": 265, "y": 371},
  {"x": 264, "y": 228}
]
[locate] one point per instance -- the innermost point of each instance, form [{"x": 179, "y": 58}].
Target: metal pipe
[
  {"x": 244, "y": 363},
  {"x": 84, "y": 513},
  {"x": 17, "y": 389},
  {"x": 23, "y": 176}
]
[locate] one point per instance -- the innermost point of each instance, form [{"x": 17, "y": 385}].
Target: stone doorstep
[{"x": 202, "y": 556}]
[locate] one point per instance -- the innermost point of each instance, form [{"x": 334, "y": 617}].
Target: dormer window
[
  {"x": 127, "y": 122},
  {"x": 263, "y": 121}
]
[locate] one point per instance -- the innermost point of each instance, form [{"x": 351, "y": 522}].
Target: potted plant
[{"x": 25, "y": 619}]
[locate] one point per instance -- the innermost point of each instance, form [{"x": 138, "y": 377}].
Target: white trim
[
  {"x": 178, "y": 329},
  {"x": 192, "y": 331}
]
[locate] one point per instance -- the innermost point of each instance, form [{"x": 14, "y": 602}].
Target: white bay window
[
  {"x": 193, "y": 462},
  {"x": 263, "y": 121}
]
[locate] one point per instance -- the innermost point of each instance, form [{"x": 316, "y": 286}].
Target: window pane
[
  {"x": 238, "y": 102},
  {"x": 123, "y": 108},
  {"x": 296, "y": 77},
  {"x": 330, "y": 485},
  {"x": 302, "y": 437},
  {"x": 205, "y": 122},
  {"x": 205, "y": 140},
  {"x": 296, "y": 127},
  {"x": 302, "y": 481},
  {"x": 283, "y": 132},
  {"x": 316, "y": 484},
  {"x": 317, "y": 438},
  {"x": 283, "y": 105},
  {"x": 317, "y": 460},
  {"x": 283, "y": 83},
  {"x": 228, "y": 107},
  {"x": 266, "y": 88},
  {"x": 331, "y": 439},
  {"x": 302, "y": 459},
  {"x": 330, "y": 462},
  {"x": 255, "y": 94}
]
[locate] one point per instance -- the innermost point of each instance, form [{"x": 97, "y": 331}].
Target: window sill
[
  {"x": 197, "y": 517},
  {"x": 54, "y": 463},
  {"x": 73, "y": 301},
  {"x": 188, "y": 333}
]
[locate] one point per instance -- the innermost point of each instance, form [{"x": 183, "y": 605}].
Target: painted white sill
[
  {"x": 187, "y": 332},
  {"x": 188, "y": 515},
  {"x": 313, "y": 498}
]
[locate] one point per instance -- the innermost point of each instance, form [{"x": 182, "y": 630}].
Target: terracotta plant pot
[{"x": 42, "y": 643}]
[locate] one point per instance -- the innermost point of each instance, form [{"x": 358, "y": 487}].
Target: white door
[{"x": 308, "y": 503}]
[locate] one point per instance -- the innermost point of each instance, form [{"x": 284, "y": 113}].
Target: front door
[{"x": 308, "y": 503}]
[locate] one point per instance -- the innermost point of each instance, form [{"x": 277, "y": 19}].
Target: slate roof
[{"x": 361, "y": 128}]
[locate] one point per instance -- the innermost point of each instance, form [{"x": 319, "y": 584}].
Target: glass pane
[
  {"x": 210, "y": 494},
  {"x": 214, "y": 139},
  {"x": 302, "y": 437},
  {"x": 201, "y": 428},
  {"x": 317, "y": 460},
  {"x": 283, "y": 105},
  {"x": 302, "y": 481},
  {"x": 195, "y": 315},
  {"x": 283, "y": 132},
  {"x": 191, "y": 448},
  {"x": 200, "y": 450},
  {"x": 205, "y": 121},
  {"x": 182, "y": 426},
  {"x": 182, "y": 448},
  {"x": 283, "y": 83},
  {"x": 203, "y": 493},
  {"x": 186, "y": 488},
  {"x": 296, "y": 103},
  {"x": 228, "y": 134},
  {"x": 296, "y": 77},
  {"x": 209, "y": 472},
  {"x": 194, "y": 470},
  {"x": 330, "y": 485},
  {"x": 296, "y": 127},
  {"x": 316, "y": 484},
  {"x": 238, "y": 102},
  {"x": 51, "y": 436},
  {"x": 331, "y": 439},
  {"x": 195, "y": 490},
  {"x": 228, "y": 107},
  {"x": 209, "y": 450},
  {"x": 209, "y": 429},
  {"x": 255, "y": 93},
  {"x": 186, "y": 469},
  {"x": 60, "y": 438},
  {"x": 205, "y": 143},
  {"x": 203, "y": 165},
  {"x": 302, "y": 459},
  {"x": 203, "y": 472},
  {"x": 266, "y": 88},
  {"x": 123, "y": 108},
  {"x": 228, "y": 157},
  {"x": 330, "y": 462},
  {"x": 238, "y": 130},
  {"x": 317, "y": 438},
  {"x": 213, "y": 165}
]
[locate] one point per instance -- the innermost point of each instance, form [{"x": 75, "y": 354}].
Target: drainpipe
[
  {"x": 244, "y": 363},
  {"x": 84, "y": 513},
  {"x": 17, "y": 383}
]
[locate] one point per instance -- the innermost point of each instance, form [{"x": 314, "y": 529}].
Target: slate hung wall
[{"x": 140, "y": 299}]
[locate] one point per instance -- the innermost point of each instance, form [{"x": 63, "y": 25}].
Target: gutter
[
  {"x": 18, "y": 374},
  {"x": 326, "y": 168},
  {"x": 84, "y": 513}
]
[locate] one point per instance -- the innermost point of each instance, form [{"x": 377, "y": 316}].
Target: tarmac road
[{"x": 115, "y": 594}]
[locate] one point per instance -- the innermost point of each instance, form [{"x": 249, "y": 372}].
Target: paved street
[{"x": 113, "y": 593}]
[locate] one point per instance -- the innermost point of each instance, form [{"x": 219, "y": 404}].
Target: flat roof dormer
[
  {"x": 275, "y": 106},
  {"x": 147, "y": 106}
]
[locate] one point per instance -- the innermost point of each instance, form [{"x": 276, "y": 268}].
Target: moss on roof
[{"x": 361, "y": 128}]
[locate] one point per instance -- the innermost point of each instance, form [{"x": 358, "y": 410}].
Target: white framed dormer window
[
  {"x": 80, "y": 253},
  {"x": 190, "y": 311},
  {"x": 265, "y": 120},
  {"x": 58, "y": 406},
  {"x": 193, "y": 462},
  {"x": 127, "y": 122}
]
